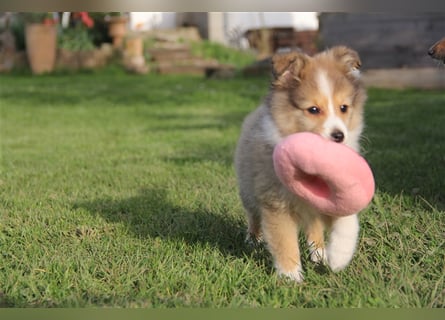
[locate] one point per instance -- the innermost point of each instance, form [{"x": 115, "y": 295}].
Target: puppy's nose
[
  {"x": 337, "y": 136},
  {"x": 431, "y": 51}
]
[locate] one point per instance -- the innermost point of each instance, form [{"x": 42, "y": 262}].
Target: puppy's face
[
  {"x": 437, "y": 50},
  {"x": 321, "y": 94}
]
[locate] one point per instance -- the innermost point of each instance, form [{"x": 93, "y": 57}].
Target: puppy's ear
[
  {"x": 349, "y": 58},
  {"x": 287, "y": 68}
]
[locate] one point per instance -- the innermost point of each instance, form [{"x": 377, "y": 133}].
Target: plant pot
[
  {"x": 134, "y": 60},
  {"x": 89, "y": 59},
  {"x": 67, "y": 59},
  {"x": 134, "y": 46},
  {"x": 117, "y": 29},
  {"x": 41, "y": 47}
]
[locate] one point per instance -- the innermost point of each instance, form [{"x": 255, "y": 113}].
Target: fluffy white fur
[{"x": 342, "y": 242}]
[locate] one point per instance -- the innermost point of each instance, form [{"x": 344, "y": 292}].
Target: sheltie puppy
[
  {"x": 437, "y": 50},
  {"x": 321, "y": 94}
]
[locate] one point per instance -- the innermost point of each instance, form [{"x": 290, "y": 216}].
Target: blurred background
[{"x": 221, "y": 43}]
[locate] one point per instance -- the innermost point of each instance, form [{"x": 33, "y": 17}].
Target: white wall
[
  {"x": 243, "y": 20},
  {"x": 237, "y": 23},
  {"x": 252, "y": 20},
  {"x": 143, "y": 21}
]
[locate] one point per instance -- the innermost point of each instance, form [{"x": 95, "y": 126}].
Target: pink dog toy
[{"x": 329, "y": 175}]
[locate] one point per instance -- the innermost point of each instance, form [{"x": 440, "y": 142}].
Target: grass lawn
[{"x": 119, "y": 190}]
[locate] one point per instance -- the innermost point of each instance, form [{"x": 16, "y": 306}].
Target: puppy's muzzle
[{"x": 337, "y": 136}]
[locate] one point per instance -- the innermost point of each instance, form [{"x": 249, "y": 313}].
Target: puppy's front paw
[
  {"x": 296, "y": 274},
  {"x": 318, "y": 255},
  {"x": 338, "y": 261},
  {"x": 342, "y": 242}
]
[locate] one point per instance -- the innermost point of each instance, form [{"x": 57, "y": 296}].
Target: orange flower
[
  {"x": 85, "y": 18},
  {"x": 49, "y": 21}
]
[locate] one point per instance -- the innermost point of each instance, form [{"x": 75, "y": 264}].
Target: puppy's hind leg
[{"x": 254, "y": 234}]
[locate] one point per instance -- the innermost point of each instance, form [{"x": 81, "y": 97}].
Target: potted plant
[
  {"x": 117, "y": 27},
  {"x": 75, "y": 44},
  {"x": 40, "y": 41}
]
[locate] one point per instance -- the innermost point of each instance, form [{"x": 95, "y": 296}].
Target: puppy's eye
[
  {"x": 343, "y": 108},
  {"x": 313, "y": 110}
]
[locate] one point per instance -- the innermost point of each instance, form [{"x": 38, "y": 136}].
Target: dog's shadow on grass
[{"x": 151, "y": 214}]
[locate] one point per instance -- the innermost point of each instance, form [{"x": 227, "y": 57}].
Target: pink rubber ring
[{"x": 328, "y": 175}]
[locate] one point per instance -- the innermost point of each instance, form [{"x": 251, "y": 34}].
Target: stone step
[{"x": 197, "y": 66}]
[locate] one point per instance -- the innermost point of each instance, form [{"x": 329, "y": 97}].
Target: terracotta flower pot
[
  {"x": 134, "y": 46},
  {"x": 67, "y": 59},
  {"x": 41, "y": 47},
  {"x": 117, "y": 29}
]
